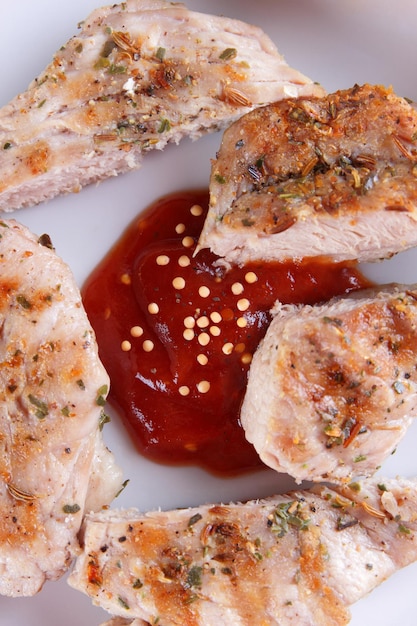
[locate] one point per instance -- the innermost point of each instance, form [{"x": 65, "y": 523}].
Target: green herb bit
[
  {"x": 7, "y": 145},
  {"x": 403, "y": 529},
  {"x": 228, "y": 54},
  {"x": 102, "y": 63},
  {"x": 194, "y": 576},
  {"x": 117, "y": 69},
  {"x": 71, "y": 509},
  {"x": 123, "y": 603},
  {"x": 220, "y": 179},
  {"x": 23, "y": 301},
  {"x": 346, "y": 521},
  {"x": 122, "y": 488},
  {"x": 42, "y": 407},
  {"x": 382, "y": 487},
  {"x": 108, "y": 48},
  {"x": 288, "y": 514},
  {"x": 137, "y": 584},
  {"x": 359, "y": 458},
  {"x": 164, "y": 126},
  {"x": 81, "y": 384},
  {"x": 160, "y": 53},
  {"x": 65, "y": 411},
  {"x": 101, "y": 395},
  {"x": 41, "y": 103},
  {"x": 194, "y": 519},
  {"x": 104, "y": 419}
]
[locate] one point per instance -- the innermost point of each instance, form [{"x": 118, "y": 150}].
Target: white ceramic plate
[{"x": 335, "y": 43}]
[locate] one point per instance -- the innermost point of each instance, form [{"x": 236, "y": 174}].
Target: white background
[{"x": 336, "y": 43}]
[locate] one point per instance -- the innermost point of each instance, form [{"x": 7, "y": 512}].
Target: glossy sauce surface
[{"x": 177, "y": 332}]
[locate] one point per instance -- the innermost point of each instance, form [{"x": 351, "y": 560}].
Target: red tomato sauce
[{"x": 177, "y": 332}]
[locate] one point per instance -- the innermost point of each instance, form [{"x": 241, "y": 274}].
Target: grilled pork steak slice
[
  {"x": 297, "y": 559},
  {"x": 332, "y": 388},
  {"x": 53, "y": 462},
  {"x": 333, "y": 176},
  {"x": 139, "y": 74}
]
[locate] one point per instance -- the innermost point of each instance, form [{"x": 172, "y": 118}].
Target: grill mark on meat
[
  {"x": 50, "y": 441},
  {"x": 137, "y": 76},
  {"x": 297, "y": 558}
]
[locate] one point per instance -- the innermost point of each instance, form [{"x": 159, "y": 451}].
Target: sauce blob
[{"x": 177, "y": 332}]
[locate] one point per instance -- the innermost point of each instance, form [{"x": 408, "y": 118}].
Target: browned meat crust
[
  {"x": 329, "y": 176},
  {"x": 332, "y": 388}
]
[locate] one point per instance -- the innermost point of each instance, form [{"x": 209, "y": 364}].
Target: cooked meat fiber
[
  {"x": 333, "y": 176},
  {"x": 138, "y": 75},
  {"x": 298, "y": 559},
  {"x": 332, "y": 388},
  {"x": 53, "y": 463}
]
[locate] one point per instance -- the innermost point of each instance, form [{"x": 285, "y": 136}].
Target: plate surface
[{"x": 335, "y": 43}]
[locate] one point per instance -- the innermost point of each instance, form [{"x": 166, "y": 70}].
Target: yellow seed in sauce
[
  {"x": 203, "y": 321},
  {"x": 242, "y": 322},
  {"x": 153, "y": 308},
  {"x": 215, "y": 331},
  {"x": 203, "y": 386},
  {"x": 184, "y": 390},
  {"x": 215, "y": 317},
  {"x": 237, "y": 289},
  {"x": 196, "y": 210},
  {"x": 243, "y": 304},
  {"x": 227, "y": 348},
  {"x": 136, "y": 331},
  {"x": 148, "y": 345},
  {"x": 189, "y": 321},
  {"x": 178, "y": 282},
  {"x": 204, "y": 291},
  {"x": 251, "y": 277},
  {"x": 184, "y": 261},
  {"x": 125, "y": 279},
  {"x": 188, "y": 334},
  {"x": 162, "y": 259},
  {"x": 179, "y": 229},
  {"x": 202, "y": 359},
  {"x": 126, "y": 345},
  {"x": 187, "y": 242},
  {"x": 204, "y": 339}
]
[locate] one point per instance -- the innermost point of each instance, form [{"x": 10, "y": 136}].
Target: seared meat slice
[
  {"x": 333, "y": 176},
  {"x": 297, "y": 559},
  {"x": 52, "y": 388},
  {"x": 332, "y": 388},
  {"x": 138, "y": 75}
]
